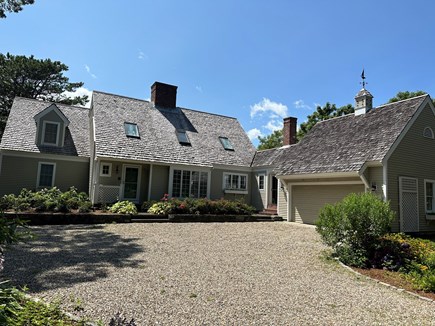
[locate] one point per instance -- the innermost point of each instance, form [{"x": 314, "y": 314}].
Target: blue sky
[{"x": 258, "y": 61}]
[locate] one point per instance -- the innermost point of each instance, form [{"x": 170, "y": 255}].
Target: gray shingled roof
[
  {"x": 267, "y": 157},
  {"x": 345, "y": 143},
  {"x": 20, "y": 131},
  {"x": 158, "y": 141}
]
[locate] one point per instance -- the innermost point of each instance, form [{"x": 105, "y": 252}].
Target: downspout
[{"x": 363, "y": 178}]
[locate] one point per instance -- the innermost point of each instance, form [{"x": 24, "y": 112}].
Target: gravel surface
[{"x": 205, "y": 274}]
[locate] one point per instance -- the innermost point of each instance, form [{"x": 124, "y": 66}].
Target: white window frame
[
  {"x": 433, "y": 196},
  {"x": 237, "y": 190},
  {"x": 38, "y": 186},
  {"x": 259, "y": 176},
  {"x": 44, "y": 123},
  {"x": 103, "y": 164},
  {"x": 431, "y": 132},
  {"x": 188, "y": 169}
]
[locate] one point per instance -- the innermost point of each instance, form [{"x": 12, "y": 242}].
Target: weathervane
[{"x": 363, "y": 80}]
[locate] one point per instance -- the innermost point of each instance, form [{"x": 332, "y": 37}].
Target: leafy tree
[
  {"x": 405, "y": 95},
  {"x": 326, "y": 112},
  {"x": 13, "y": 6},
  {"x": 271, "y": 141},
  {"x": 41, "y": 79}
]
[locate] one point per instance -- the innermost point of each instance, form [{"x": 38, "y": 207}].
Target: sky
[{"x": 258, "y": 61}]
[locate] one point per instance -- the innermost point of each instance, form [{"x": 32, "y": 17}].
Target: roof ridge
[
  {"x": 50, "y": 102},
  {"x": 407, "y": 99},
  {"x": 205, "y": 112},
  {"x": 117, "y": 95}
]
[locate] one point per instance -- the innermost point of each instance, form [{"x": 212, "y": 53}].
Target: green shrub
[
  {"x": 124, "y": 207},
  {"x": 200, "y": 206},
  {"x": 354, "y": 227},
  {"x": 147, "y": 205}
]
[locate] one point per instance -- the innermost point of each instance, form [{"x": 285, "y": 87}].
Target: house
[
  {"x": 388, "y": 150},
  {"x": 124, "y": 148}
]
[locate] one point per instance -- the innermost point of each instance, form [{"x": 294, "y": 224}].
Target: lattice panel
[
  {"x": 108, "y": 194},
  {"x": 409, "y": 211}
]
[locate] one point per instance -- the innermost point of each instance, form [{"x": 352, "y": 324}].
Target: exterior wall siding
[
  {"x": 216, "y": 186},
  {"x": 68, "y": 174},
  {"x": 282, "y": 202},
  {"x": 258, "y": 197},
  {"x": 413, "y": 157},
  {"x": 160, "y": 182}
]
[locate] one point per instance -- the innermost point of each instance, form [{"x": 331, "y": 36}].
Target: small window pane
[
  {"x": 131, "y": 130},
  {"x": 46, "y": 175},
  {"x": 176, "y": 183},
  {"x": 185, "y": 184},
  {"x": 50, "y": 135},
  {"x": 243, "y": 182},
  {"x": 227, "y": 181},
  {"x": 226, "y": 143},
  {"x": 203, "y": 185},
  {"x": 429, "y": 197},
  {"x": 194, "y": 189},
  {"x": 261, "y": 182},
  {"x": 235, "y": 181}
]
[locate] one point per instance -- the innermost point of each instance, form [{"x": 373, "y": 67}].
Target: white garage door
[{"x": 308, "y": 200}]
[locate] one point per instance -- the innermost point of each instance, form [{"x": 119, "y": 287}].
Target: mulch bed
[{"x": 393, "y": 278}]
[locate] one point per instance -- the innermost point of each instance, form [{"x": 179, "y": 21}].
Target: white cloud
[
  {"x": 300, "y": 104},
  {"x": 198, "y": 88},
  {"x": 273, "y": 125},
  {"x": 80, "y": 92},
  {"x": 267, "y": 106},
  {"x": 254, "y": 134},
  {"x": 89, "y": 72},
  {"x": 141, "y": 55}
]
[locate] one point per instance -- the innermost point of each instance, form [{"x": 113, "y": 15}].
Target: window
[
  {"x": 131, "y": 130},
  {"x": 106, "y": 169},
  {"x": 50, "y": 133},
  {"x": 237, "y": 182},
  {"x": 428, "y": 133},
  {"x": 46, "y": 173},
  {"x": 187, "y": 183},
  {"x": 261, "y": 182},
  {"x": 429, "y": 193},
  {"x": 226, "y": 143},
  {"x": 182, "y": 137}
]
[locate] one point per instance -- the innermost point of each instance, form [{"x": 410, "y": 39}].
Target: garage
[{"x": 307, "y": 200}]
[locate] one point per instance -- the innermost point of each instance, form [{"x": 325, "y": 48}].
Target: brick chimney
[
  {"x": 164, "y": 95},
  {"x": 289, "y": 131}
]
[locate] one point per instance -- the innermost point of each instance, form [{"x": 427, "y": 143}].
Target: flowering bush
[{"x": 200, "y": 206}]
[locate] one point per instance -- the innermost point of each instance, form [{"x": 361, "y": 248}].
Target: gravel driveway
[{"x": 205, "y": 274}]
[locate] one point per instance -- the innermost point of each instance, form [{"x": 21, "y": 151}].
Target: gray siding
[
  {"x": 282, "y": 202},
  {"x": 160, "y": 181},
  {"x": 68, "y": 174},
  {"x": 258, "y": 197},
  {"x": 413, "y": 157}
]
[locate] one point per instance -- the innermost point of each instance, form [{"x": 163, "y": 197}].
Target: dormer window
[
  {"x": 131, "y": 130},
  {"x": 50, "y": 133},
  {"x": 226, "y": 143}
]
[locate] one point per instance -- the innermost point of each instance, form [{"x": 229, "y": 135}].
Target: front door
[
  {"x": 408, "y": 195},
  {"x": 131, "y": 182},
  {"x": 274, "y": 190}
]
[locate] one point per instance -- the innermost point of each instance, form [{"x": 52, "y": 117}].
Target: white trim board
[{"x": 39, "y": 156}]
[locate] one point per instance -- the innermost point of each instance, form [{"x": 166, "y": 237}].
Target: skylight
[
  {"x": 182, "y": 137},
  {"x": 131, "y": 130},
  {"x": 226, "y": 143}
]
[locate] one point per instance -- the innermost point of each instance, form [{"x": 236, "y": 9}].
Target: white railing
[{"x": 108, "y": 194}]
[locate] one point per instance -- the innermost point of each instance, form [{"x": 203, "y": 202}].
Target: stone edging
[{"x": 385, "y": 284}]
